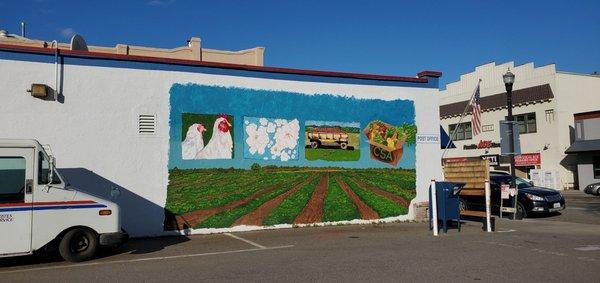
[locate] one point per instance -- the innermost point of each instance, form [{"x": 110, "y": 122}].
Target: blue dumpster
[{"x": 448, "y": 204}]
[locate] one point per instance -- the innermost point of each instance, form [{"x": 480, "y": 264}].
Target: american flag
[{"x": 476, "y": 119}]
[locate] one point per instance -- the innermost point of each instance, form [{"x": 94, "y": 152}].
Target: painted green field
[
  {"x": 336, "y": 154},
  {"x": 218, "y": 198},
  {"x": 331, "y": 154}
]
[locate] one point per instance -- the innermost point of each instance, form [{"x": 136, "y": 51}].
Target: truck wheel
[
  {"x": 343, "y": 145},
  {"x": 314, "y": 144},
  {"x": 78, "y": 245}
]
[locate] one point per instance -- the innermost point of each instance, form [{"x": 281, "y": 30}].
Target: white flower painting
[{"x": 271, "y": 139}]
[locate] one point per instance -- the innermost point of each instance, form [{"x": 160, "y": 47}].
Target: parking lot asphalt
[{"x": 561, "y": 247}]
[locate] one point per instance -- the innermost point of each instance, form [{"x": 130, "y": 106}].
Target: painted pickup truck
[{"x": 328, "y": 136}]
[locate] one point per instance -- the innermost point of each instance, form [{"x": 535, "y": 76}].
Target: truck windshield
[{"x": 44, "y": 169}]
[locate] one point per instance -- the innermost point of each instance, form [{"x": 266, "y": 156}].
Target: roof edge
[
  {"x": 433, "y": 74},
  {"x": 150, "y": 59}
]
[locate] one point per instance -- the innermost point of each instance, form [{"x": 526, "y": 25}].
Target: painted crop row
[{"x": 285, "y": 195}]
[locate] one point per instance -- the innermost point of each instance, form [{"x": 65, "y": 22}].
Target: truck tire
[
  {"x": 78, "y": 244},
  {"x": 343, "y": 145},
  {"x": 314, "y": 144}
]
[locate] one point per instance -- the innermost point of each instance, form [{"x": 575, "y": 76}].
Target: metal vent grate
[{"x": 146, "y": 124}]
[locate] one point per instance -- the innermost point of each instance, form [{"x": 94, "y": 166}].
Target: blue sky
[{"x": 382, "y": 37}]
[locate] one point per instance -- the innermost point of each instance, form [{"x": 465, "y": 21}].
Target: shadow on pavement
[{"x": 134, "y": 246}]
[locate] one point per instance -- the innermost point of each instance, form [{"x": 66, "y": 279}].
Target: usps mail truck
[{"x": 39, "y": 209}]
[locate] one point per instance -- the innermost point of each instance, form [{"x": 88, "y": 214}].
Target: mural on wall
[
  {"x": 202, "y": 142},
  {"x": 272, "y": 174},
  {"x": 386, "y": 142},
  {"x": 271, "y": 139},
  {"x": 332, "y": 141}
]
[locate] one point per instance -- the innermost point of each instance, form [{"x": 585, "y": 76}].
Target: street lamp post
[{"x": 509, "y": 79}]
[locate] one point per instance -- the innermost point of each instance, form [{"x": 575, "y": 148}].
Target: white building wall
[
  {"x": 94, "y": 131},
  {"x": 573, "y": 93}
]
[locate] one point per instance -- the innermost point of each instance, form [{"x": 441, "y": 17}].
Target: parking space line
[
  {"x": 141, "y": 259},
  {"x": 246, "y": 241}
]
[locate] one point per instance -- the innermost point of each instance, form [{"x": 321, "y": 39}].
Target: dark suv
[{"x": 530, "y": 200}]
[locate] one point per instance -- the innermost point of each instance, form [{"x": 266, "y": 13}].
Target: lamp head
[{"x": 509, "y": 78}]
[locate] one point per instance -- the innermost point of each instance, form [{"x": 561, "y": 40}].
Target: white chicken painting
[{"x": 220, "y": 144}]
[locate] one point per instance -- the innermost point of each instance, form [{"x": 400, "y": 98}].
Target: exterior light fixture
[{"x": 39, "y": 90}]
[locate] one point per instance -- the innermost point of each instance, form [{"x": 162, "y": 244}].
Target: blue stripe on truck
[{"x": 52, "y": 207}]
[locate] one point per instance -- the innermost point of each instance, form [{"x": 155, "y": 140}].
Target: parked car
[
  {"x": 530, "y": 199},
  {"x": 592, "y": 189},
  {"x": 496, "y": 172}
]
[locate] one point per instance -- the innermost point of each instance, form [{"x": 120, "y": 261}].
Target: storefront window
[{"x": 464, "y": 131}]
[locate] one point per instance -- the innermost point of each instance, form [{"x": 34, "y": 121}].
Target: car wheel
[
  {"x": 78, "y": 244},
  {"x": 343, "y": 145},
  {"x": 521, "y": 213},
  {"x": 463, "y": 205}
]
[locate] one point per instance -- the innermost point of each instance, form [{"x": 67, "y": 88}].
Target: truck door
[{"x": 16, "y": 207}]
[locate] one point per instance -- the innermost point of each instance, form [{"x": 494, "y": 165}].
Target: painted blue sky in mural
[
  {"x": 333, "y": 123},
  {"x": 242, "y": 102},
  {"x": 271, "y": 139}
]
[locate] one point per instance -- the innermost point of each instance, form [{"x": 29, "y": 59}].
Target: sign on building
[
  {"x": 494, "y": 159},
  {"x": 528, "y": 159},
  {"x": 505, "y": 140},
  {"x": 545, "y": 178}
]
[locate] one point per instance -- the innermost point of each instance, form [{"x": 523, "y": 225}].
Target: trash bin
[{"x": 448, "y": 204}]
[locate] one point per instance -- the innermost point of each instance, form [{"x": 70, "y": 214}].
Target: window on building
[
  {"x": 463, "y": 132},
  {"x": 12, "y": 179},
  {"x": 579, "y": 135},
  {"x": 550, "y": 116},
  {"x": 527, "y": 123},
  {"x": 596, "y": 167}
]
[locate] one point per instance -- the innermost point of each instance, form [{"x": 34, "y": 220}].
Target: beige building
[
  {"x": 544, "y": 103},
  {"x": 193, "y": 50}
]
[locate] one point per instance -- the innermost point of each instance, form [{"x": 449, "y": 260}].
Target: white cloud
[
  {"x": 67, "y": 32},
  {"x": 257, "y": 139}
]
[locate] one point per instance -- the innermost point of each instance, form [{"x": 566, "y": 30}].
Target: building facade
[
  {"x": 186, "y": 146},
  {"x": 586, "y": 148},
  {"x": 193, "y": 50},
  {"x": 544, "y": 103}
]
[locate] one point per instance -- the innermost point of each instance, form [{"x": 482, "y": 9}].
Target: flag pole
[{"x": 464, "y": 113}]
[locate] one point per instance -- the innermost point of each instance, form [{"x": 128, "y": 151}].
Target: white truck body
[{"x": 38, "y": 207}]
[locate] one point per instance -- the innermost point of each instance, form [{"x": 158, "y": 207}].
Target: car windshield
[{"x": 521, "y": 183}]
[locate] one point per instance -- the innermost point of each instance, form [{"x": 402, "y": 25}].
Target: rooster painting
[
  {"x": 193, "y": 142},
  {"x": 220, "y": 145}
]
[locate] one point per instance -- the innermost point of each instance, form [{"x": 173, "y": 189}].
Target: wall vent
[{"x": 146, "y": 124}]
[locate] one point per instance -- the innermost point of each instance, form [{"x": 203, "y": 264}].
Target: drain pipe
[{"x": 55, "y": 43}]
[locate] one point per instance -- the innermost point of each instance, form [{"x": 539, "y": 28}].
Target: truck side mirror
[{"x": 52, "y": 166}]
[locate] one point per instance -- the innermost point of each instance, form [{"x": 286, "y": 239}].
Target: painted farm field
[{"x": 220, "y": 198}]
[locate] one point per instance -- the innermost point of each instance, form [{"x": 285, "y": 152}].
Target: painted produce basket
[{"x": 384, "y": 144}]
